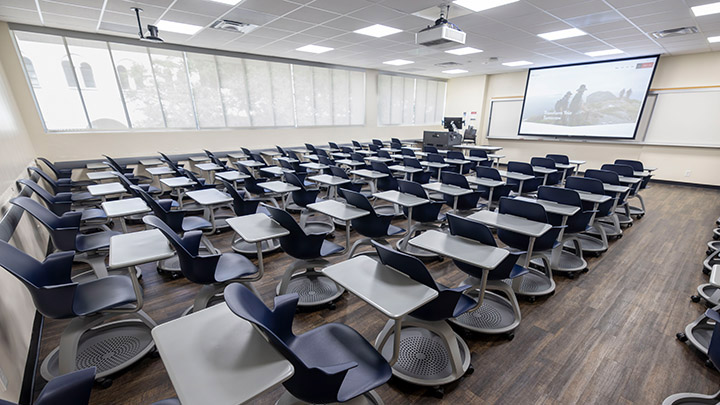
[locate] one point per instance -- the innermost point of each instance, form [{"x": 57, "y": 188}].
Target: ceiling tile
[
  {"x": 211, "y": 8},
  {"x": 376, "y": 14},
  {"x": 249, "y": 16},
  {"x": 340, "y": 7},
  {"x": 274, "y": 7},
  {"x": 312, "y": 15}
]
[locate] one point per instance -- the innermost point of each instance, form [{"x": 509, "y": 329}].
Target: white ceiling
[{"x": 508, "y": 32}]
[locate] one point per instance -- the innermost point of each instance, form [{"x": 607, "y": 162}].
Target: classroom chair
[
  {"x": 426, "y": 325},
  {"x": 88, "y": 338},
  {"x": 375, "y": 226},
  {"x": 504, "y": 310},
  {"x": 72, "y": 388},
  {"x": 465, "y": 203},
  {"x": 126, "y": 171},
  {"x": 77, "y": 197},
  {"x": 430, "y": 149},
  {"x": 491, "y": 173},
  {"x": 481, "y": 154},
  {"x": 638, "y": 167},
  {"x": 61, "y": 203},
  {"x": 594, "y": 240},
  {"x": 59, "y": 173},
  {"x": 422, "y": 177},
  {"x": 611, "y": 223},
  {"x": 310, "y": 250},
  {"x": 552, "y": 178},
  {"x": 214, "y": 271},
  {"x": 454, "y": 154},
  {"x": 426, "y": 216},
  {"x": 332, "y": 363},
  {"x": 354, "y": 185},
  {"x": 562, "y": 159},
  {"x": 528, "y": 186},
  {"x": 304, "y": 197},
  {"x": 625, "y": 214}
]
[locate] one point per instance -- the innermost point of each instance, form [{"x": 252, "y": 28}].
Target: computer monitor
[{"x": 449, "y": 121}]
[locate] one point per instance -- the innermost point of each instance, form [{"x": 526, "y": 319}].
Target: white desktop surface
[
  {"x": 456, "y": 247},
  {"x": 132, "y": 249},
  {"x": 512, "y": 223},
  {"x": 210, "y": 196},
  {"x": 256, "y": 227},
  {"x": 122, "y": 208}
]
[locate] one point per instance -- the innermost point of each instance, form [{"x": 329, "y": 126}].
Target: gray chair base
[
  {"x": 267, "y": 246},
  {"x": 403, "y": 245},
  {"x": 313, "y": 287},
  {"x": 369, "y": 398},
  {"x": 589, "y": 243},
  {"x": 710, "y": 261},
  {"x": 708, "y": 292},
  {"x": 496, "y": 315},
  {"x": 699, "y": 332},
  {"x": 111, "y": 347},
  {"x": 535, "y": 282},
  {"x": 687, "y": 398},
  {"x": 431, "y": 353},
  {"x": 567, "y": 261}
]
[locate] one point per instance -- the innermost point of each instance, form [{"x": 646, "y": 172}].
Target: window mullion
[{"x": 77, "y": 82}]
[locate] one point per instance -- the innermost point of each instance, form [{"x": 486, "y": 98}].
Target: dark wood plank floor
[{"x": 607, "y": 336}]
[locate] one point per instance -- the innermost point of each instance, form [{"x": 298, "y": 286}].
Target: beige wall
[
  {"x": 672, "y": 162},
  {"x": 91, "y": 145},
  {"x": 16, "y": 307}
]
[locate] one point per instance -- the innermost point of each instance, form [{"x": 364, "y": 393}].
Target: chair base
[
  {"x": 388, "y": 209},
  {"x": 90, "y": 274},
  {"x": 710, "y": 261},
  {"x": 313, "y": 287},
  {"x": 713, "y": 245},
  {"x": 403, "y": 245},
  {"x": 687, "y": 398},
  {"x": 431, "y": 353},
  {"x": 588, "y": 244},
  {"x": 566, "y": 262},
  {"x": 535, "y": 282},
  {"x": 698, "y": 333},
  {"x": 496, "y": 315},
  {"x": 267, "y": 246},
  {"x": 369, "y": 398},
  {"x": 610, "y": 225},
  {"x": 109, "y": 347},
  {"x": 709, "y": 293}
]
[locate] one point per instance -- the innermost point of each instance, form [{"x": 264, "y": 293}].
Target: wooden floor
[{"x": 606, "y": 337}]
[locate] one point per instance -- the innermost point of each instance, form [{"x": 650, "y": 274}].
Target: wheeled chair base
[
  {"x": 496, "y": 315},
  {"x": 686, "y": 398},
  {"x": 369, "y": 398}
]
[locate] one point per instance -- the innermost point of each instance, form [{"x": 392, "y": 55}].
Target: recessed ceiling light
[
  {"x": 229, "y": 2},
  {"x": 377, "y": 31},
  {"x": 706, "y": 9},
  {"x": 464, "y": 51},
  {"x": 713, "y": 40},
  {"x": 480, "y": 5},
  {"x": 398, "y": 62},
  {"x": 314, "y": 49},
  {"x": 517, "y": 63},
  {"x": 454, "y": 71},
  {"x": 179, "y": 28},
  {"x": 562, "y": 34},
  {"x": 605, "y": 52}
]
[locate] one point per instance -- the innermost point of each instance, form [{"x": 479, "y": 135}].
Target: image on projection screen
[{"x": 599, "y": 99}]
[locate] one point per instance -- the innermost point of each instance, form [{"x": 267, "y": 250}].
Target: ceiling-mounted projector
[{"x": 443, "y": 32}]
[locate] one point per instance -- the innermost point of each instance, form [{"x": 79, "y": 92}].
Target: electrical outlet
[
  {"x": 3, "y": 381},
  {"x": 687, "y": 173}
]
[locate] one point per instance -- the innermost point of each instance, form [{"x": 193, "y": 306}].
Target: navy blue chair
[
  {"x": 613, "y": 228},
  {"x": 637, "y": 167},
  {"x": 360, "y": 158},
  {"x": 453, "y": 154},
  {"x": 354, "y": 185},
  {"x": 430, "y": 149},
  {"x": 88, "y": 306},
  {"x": 388, "y": 182},
  {"x": 128, "y": 184},
  {"x": 375, "y": 226},
  {"x": 213, "y": 271},
  {"x": 426, "y": 216},
  {"x": 574, "y": 225},
  {"x": 374, "y": 147},
  {"x": 59, "y": 173},
  {"x": 60, "y": 186},
  {"x": 174, "y": 166},
  {"x": 552, "y": 178},
  {"x": 61, "y": 203},
  {"x": 594, "y": 240},
  {"x": 562, "y": 159},
  {"x": 407, "y": 152},
  {"x": 479, "y": 153},
  {"x": 333, "y": 362},
  {"x": 498, "y": 192},
  {"x": 304, "y": 197},
  {"x": 713, "y": 352},
  {"x": 357, "y": 145},
  {"x": 624, "y": 213},
  {"x": 73, "y": 388},
  {"x": 251, "y": 187},
  {"x": 436, "y": 158},
  {"x": 377, "y": 142},
  {"x": 538, "y": 282},
  {"x": 282, "y": 151},
  {"x": 467, "y": 202},
  {"x": 528, "y": 186},
  {"x": 450, "y": 303},
  {"x": 422, "y": 177},
  {"x": 216, "y": 160},
  {"x": 310, "y": 250},
  {"x": 125, "y": 170},
  {"x": 313, "y": 156},
  {"x": 506, "y": 307},
  {"x": 65, "y": 234}
]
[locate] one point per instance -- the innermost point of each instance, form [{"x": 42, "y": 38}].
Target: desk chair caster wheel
[
  {"x": 709, "y": 364},
  {"x": 104, "y": 383},
  {"x": 571, "y": 276},
  {"x": 331, "y": 306},
  {"x": 681, "y": 337},
  {"x": 708, "y": 252},
  {"x": 510, "y": 336},
  {"x": 585, "y": 270},
  {"x": 619, "y": 236},
  {"x": 706, "y": 271},
  {"x": 175, "y": 275},
  {"x": 470, "y": 370},
  {"x": 695, "y": 298},
  {"x": 531, "y": 299},
  {"x": 437, "y": 392},
  {"x": 716, "y": 237},
  {"x": 155, "y": 354}
]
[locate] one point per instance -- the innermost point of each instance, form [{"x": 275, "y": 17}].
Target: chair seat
[
  {"x": 93, "y": 214},
  {"x": 463, "y": 305},
  {"x": 94, "y": 241},
  {"x": 103, "y": 293},
  {"x": 335, "y": 343},
  {"x": 83, "y": 196},
  {"x": 192, "y": 223},
  {"x": 329, "y": 248},
  {"x": 150, "y": 189},
  {"x": 233, "y": 266},
  {"x": 394, "y": 230}
]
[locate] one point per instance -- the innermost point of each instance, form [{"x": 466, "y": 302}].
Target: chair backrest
[
  {"x": 72, "y": 388},
  {"x": 396, "y": 145},
  {"x": 377, "y": 142},
  {"x": 63, "y": 229},
  {"x": 281, "y": 150},
  {"x": 126, "y": 183},
  {"x": 381, "y": 167},
  {"x": 478, "y": 153},
  {"x": 346, "y": 149},
  {"x": 240, "y": 205},
  {"x": 430, "y": 149},
  {"x": 714, "y": 346},
  {"x": 593, "y": 186},
  {"x": 454, "y": 154},
  {"x": 405, "y": 263},
  {"x": 606, "y": 176},
  {"x": 564, "y": 159},
  {"x": 469, "y": 134},
  {"x": 297, "y": 243},
  {"x": 56, "y": 187},
  {"x": 412, "y": 162},
  {"x": 257, "y": 157},
  {"x": 59, "y": 203},
  {"x": 322, "y": 153},
  {"x": 357, "y": 144},
  {"x": 48, "y": 283},
  {"x": 310, "y": 147},
  {"x": 358, "y": 200},
  {"x": 339, "y": 172},
  {"x": 325, "y": 160},
  {"x": 621, "y": 170},
  {"x": 115, "y": 165},
  {"x": 412, "y": 187},
  {"x": 383, "y": 154},
  {"x": 174, "y": 218},
  {"x": 358, "y": 157},
  {"x": 520, "y": 167},
  {"x": 374, "y": 147},
  {"x": 246, "y": 151},
  {"x": 529, "y": 210},
  {"x": 488, "y": 173},
  {"x": 567, "y": 196},
  {"x": 635, "y": 164},
  {"x": 198, "y": 182},
  {"x": 333, "y": 145},
  {"x": 407, "y": 152},
  {"x": 293, "y": 179},
  {"x": 395, "y": 140},
  {"x": 215, "y": 159},
  {"x": 51, "y": 166},
  {"x": 542, "y": 162},
  {"x": 196, "y": 268},
  {"x": 455, "y": 179}
]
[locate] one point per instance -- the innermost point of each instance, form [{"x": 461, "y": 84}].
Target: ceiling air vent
[
  {"x": 674, "y": 32},
  {"x": 448, "y": 64},
  {"x": 233, "y": 26}
]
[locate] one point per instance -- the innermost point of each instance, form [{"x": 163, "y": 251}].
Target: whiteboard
[{"x": 683, "y": 118}]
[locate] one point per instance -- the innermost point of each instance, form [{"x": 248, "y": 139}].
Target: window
[
  {"x": 30, "y": 68},
  {"x": 409, "y": 101},
  {"x": 132, "y": 86},
  {"x": 49, "y": 58}
]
